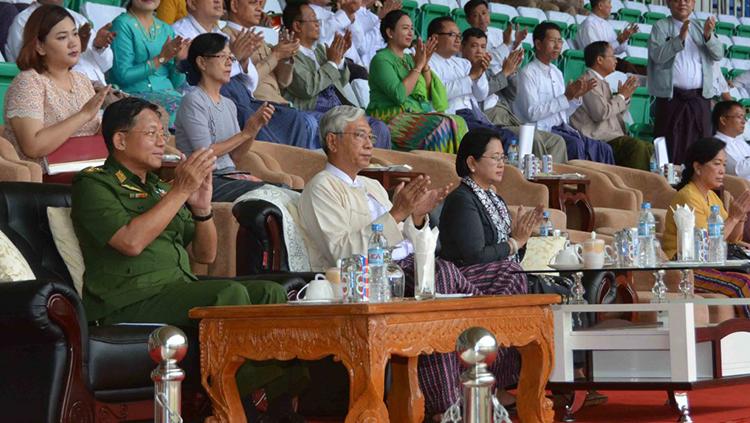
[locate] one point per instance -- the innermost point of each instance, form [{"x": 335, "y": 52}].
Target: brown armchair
[
  {"x": 12, "y": 168},
  {"x": 292, "y": 160},
  {"x": 652, "y": 187}
]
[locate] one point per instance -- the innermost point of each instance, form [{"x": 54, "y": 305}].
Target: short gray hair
[{"x": 336, "y": 120}]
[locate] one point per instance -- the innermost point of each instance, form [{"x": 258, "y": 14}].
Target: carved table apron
[{"x": 364, "y": 336}]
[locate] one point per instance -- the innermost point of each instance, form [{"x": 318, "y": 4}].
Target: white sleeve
[
  {"x": 15, "y": 41},
  {"x": 250, "y": 78},
  {"x": 455, "y": 85},
  {"x": 481, "y": 88},
  {"x": 531, "y": 107}
]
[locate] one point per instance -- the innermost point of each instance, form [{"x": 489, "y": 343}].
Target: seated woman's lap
[{"x": 731, "y": 284}]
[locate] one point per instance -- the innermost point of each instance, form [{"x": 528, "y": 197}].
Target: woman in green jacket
[
  {"x": 407, "y": 95},
  {"x": 145, "y": 55}
]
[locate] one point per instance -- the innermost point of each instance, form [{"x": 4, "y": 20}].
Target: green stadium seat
[
  {"x": 640, "y": 111},
  {"x": 734, "y": 73},
  {"x": 572, "y": 31},
  {"x": 652, "y": 17},
  {"x": 526, "y": 22},
  {"x": 738, "y": 52},
  {"x": 639, "y": 40},
  {"x": 629, "y": 15},
  {"x": 563, "y": 27},
  {"x": 499, "y": 20},
  {"x": 528, "y": 54},
  {"x": 742, "y": 31},
  {"x": 428, "y": 13},
  {"x": 573, "y": 64},
  {"x": 725, "y": 28},
  {"x": 8, "y": 71},
  {"x": 411, "y": 7},
  {"x": 460, "y": 17}
]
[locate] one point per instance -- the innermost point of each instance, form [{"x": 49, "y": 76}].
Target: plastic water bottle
[
  {"x": 546, "y": 228},
  {"x": 380, "y": 291},
  {"x": 716, "y": 245},
  {"x": 513, "y": 153},
  {"x": 653, "y": 164},
  {"x": 646, "y": 233}
]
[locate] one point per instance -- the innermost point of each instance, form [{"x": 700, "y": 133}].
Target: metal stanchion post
[
  {"x": 477, "y": 348},
  {"x": 167, "y": 346}
]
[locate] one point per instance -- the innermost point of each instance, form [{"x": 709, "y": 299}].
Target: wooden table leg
[
  {"x": 536, "y": 359},
  {"x": 405, "y": 399},
  {"x": 221, "y": 386},
  {"x": 366, "y": 390}
]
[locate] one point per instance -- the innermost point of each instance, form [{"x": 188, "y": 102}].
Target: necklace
[
  {"x": 60, "y": 86},
  {"x": 151, "y": 34}
]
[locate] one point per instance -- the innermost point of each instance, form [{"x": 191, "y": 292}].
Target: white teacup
[
  {"x": 570, "y": 255},
  {"x": 317, "y": 289}
]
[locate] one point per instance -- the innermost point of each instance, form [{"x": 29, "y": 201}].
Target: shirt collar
[
  {"x": 601, "y": 78},
  {"x": 198, "y": 27},
  {"x": 356, "y": 183},
  {"x": 724, "y": 137},
  {"x": 308, "y": 52},
  {"x": 129, "y": 177},
  {"x": 235, "y": 26}
]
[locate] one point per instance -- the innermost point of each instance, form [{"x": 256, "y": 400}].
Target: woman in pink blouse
[{"x": 47, "y": 103}]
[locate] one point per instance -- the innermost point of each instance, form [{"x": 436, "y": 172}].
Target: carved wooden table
[
  {"x": 389, "y": 179},
  {"x": 364, "y": 336},
  {"x": 561, "y": 197}
]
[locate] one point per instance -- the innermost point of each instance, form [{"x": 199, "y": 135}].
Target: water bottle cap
[
  {"x": 545, "y": 214},
  {"x": 714, "y": 209},
  {"x": 377, "y": 227},
  {"x": 646, "y": 205},
  {"x": 514, "y": 141}
]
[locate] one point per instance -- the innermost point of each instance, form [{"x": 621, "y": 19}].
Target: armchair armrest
[
  {"x": 31, "y": 313},
  {"x": 260, "y": 244}
]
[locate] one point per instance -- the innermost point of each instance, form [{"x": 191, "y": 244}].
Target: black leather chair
[{"x": 54, "y": 366}]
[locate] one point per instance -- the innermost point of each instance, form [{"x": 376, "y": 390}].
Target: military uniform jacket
[{"x": 104, "y": 200}]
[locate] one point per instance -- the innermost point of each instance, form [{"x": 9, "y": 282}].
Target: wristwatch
[{"x": 161, "y": 60}]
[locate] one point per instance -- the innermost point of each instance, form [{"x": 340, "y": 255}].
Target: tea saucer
[
  {"x": 313, "y": 302},
  {"x": 576, "y": 266}
]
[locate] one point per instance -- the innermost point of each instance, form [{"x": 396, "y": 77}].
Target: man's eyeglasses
[
  {"x": 317, "y": 21},
  {"x": 498, "y": 159},
  {"x": 223, "y": 57},
  {"x": 360, "y": 136},
  {"x": 152, "y": 134},
  {"x": 450, "y": 34},
  {"x": 736, "y": 116}
]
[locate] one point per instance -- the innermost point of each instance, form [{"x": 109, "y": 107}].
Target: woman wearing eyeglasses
[
  {"x": 478, "y": 236},
  {"x": 407, "y": 95},
  {"x": 146, "y": 52},
  {"x": 206, "y": 119}
]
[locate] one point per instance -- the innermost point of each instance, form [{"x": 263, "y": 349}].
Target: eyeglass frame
[
  {"x": 226, "y": 57},
  {"x": 497, "y": 159},
  {"x": 152, "y": 134},
  {"x": 450, "y": 34},
  {"x": 358, "y": 135}
]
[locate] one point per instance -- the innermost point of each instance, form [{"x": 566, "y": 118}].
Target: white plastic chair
[
  {"x": 630, "y": 4},
  {"x": 273, "y": 6},
  {"x": 362, "y": 90},
  {"x": 662, "y": 157},
  {"x": 745, "y": 20},
  {"x": 101, "y": 14},
  {"x": 726, "y": 40},
  {"x": 554, "y": 15},
  {"x": 619, "y": 25},
  {"x": 462, "y": 3},
  {"x": 532, "y": 12},
  {"x": 644, "y": 28},
  {"x": 729, "y": 19},
  {"x": 580, "y": 19},
  {"x": 741, "y": 41},
  {"x": 565, "y": 46},
  {"x": 270, "y": 35},
  {"x": 701, "y": 15},
  {"x": 641, "y": 52},
  {"x": 741, "y": 64},
  {"x": 504, "y": 9},
  {"x": 616, "y": 6},
  {"x": 615, "y": 78},
  {"x": 450, "y": 3},
  {"x": 658, "y": 8}
]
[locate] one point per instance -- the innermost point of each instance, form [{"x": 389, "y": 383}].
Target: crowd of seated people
[{"x": 199, "y": 69}]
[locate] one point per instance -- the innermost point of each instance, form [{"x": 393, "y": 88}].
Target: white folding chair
[
  {"x": 745, "y": 20},
  {"x": 644, "y": 28},
  {"x": 450, "y": 3},
  {"x": 616, "y": 6},
  {"x": 630, "y": 4},
  {"x": 580, "y": 19},
  {"x": 729, "y": 19},
  {"x": 615, "y": 78},
  {"x": 726, "y": 40},
  {"x": 658, "y": 8},
  {"x": 741, "y": 64},
  {"x": 553, "y": 15},
  {"x": 101, "y": 14},
  {"x": 641, "y": 52},
  {"x": 701, "y": 15},
  {"x": 619, "y": 25},
  {"x": 741, "y": 41}
]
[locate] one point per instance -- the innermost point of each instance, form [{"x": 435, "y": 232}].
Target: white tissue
[
  {"x": 684, "y": 220},
  {"x": 425, "y": 242}
]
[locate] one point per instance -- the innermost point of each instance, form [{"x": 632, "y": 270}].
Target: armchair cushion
[
  {"x": 61, "y": 226},
  {"x": 13, "y": 267}
]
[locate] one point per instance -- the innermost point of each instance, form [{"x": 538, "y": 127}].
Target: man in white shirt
[
  {"x": 94, "y": 62},
  {"x": 544, "y": 99},
  {"x": 596, "y": 27},
  {"x": 502, "y": 88},
  {"x": 465, "y": 82},
  {"x": 729, "y": 121},
  {"x": 203, "y": 17},
  {"x": 499, "y": 43},
  {"x": 681, "y": 57}
]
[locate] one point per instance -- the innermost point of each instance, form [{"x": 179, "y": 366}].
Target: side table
[
  {"x": 563, "y": 198},
  {"x": 389, "y": 179},
  {"x": 364, "y": 336}
]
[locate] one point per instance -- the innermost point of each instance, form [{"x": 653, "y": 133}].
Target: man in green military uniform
[{"x": 134, "y": 229}]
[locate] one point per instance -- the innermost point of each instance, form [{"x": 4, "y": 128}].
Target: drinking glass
[{"x": 394, "y": 274}]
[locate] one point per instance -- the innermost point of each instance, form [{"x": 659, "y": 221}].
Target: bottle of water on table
[
  {"x": 716, "y": 246},
  {"x": 380, "y": 290},
  {"x": 646, "y": 234},
  {"x": 546, "y": 227},
  {"x": 513, "y": 158}
]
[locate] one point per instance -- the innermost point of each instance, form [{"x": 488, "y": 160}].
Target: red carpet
[{"x": 716, "y": 405}]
